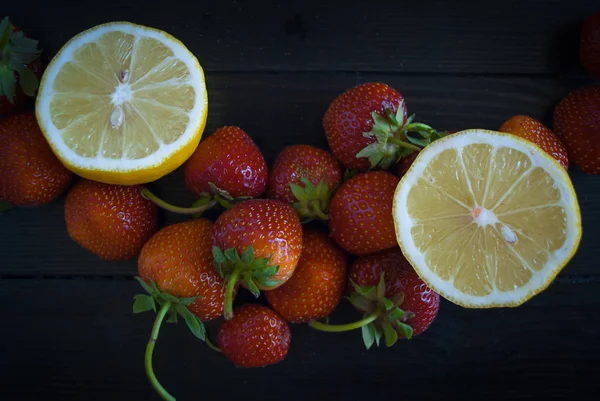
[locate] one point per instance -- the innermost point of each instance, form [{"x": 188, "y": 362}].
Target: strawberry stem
[
  {"x": 316, "y": 206},
  {"x": 204, "y": 206},
  {"x": 232, "y": 280},
  {"x": 211, "y": 345},
  {"x": 403, "y": 144},
  {"x": 150, "y": 350},
  {"x": 337, "y": 328}
]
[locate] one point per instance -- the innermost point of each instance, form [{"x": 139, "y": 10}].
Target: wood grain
[
  {"x": 284, "y": 109},
  {"x": 470, "y": 36},
  {"x": 76, "y": 339}
]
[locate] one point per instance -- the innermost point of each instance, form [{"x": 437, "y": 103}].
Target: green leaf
[
  {"x": 298, "y": 192},
  {"x": 400, "y": 113},
  {"x": 260, "y": 264},
  {"x": 6, "y": 30},
  {"x": 366, "y": 291},
  {"x": 391, "y": 117},
  {"x": 381, "y": 287},
  {"x": 375, "y": 159},
  {"x": 8, "y": 83},
  {"x": 368, "y": 335},
  {"x": 396, "y": 314},
  {"x": 388, "y": 304},
  {"x": 269, "y": 282},
  {"x": 5, "y": 206},
  {"x": 145, "y": 286},
  {"x": 143, "y": 303},
  {"x": 379, "y": 120},
  {"x": 377, "y": 335},
  {"x": 248, "y": 255},
  {"x": 172, "y": 315},
  {"x": 397, "y": 299},
  {"x": 368, "y": 151},
  {"x": 266, "y": 272},
  {"x": 405, "y": 330},
  {"x": 218, "y": 255},
  {"x": 168, "y": 297},
  {"x": 308, "y": 185},
  {"x": 322, "y": 190},
  {"x": 390, "y": 335},
  {"x": 360, "y": 303},
  {"x": 417, "y": 141},
  {"x": 253, "y": 288},
  {"x": 232, "y": 255},
  {"x": 28, "y": 81},
  {"x": 193, "y": 322},
  {"x": 187, "y": 301},
  {"x": 224, "y": 203}
]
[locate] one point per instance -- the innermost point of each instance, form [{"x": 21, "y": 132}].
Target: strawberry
[
  {"x": 255, "y": 337},
  {"x": 111, "y": 221},
  {"x": 536, "y": 132},
  {"x": 589, "y": 44},
  {"x": 176, "y": 269},
  {"x": 360, "y": 213},
  {"x": 228, "y": 164},
  {"x": 305, "y": 176},
  {"x": 367, "y": 127},
  {"x": 396, "y": 303},
  {"x": 268, "y": 236},
  {"x": 318, "y": 282},
  {"x": 19, "y": 64},
  {"x": 577, "y": 122},
  {"x": 30, "y": 173}
]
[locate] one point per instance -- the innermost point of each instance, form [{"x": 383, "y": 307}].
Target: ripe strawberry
[
  {"x": 395, "y": 301},
  {"x": 536, "y": 132},
  {"x": 20, "y": 67},
  {"x": 305, "y": 176},
  {"x": 318, "y": 282},
  {"x": 30, "y": 173},
  {"x": 589, "y": 45},
  {"x": 360, "y": 213},
  {"x": 255, "y": 337},
  {"x": 111, "y": 221},
  {"x": 367, "y": 127},
  {"x": 176, "y": 270},
  {"x": 227, "y": 163},
  {"x": 577, "y": 122},
  {"x": 268, "y": 236}
]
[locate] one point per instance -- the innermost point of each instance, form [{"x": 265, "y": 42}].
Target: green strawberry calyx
[
  {"x": 313, "y": 201},
  {"x": 167, "y": 305},
  {"x": 395, "y": 138},
  {"x": 383, "y": 317},
  {"x": 251, "y": 271},
  {"x": 16, "y": 53}
]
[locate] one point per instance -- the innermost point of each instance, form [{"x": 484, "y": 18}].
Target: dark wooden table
[{"x": 67, "y": 330}]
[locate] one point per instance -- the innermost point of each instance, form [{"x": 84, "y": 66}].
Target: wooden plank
[
  {"x": 437, "y": 36},
  {"x": 284, "y": 109},
  {"x": 76, "y": 339}
]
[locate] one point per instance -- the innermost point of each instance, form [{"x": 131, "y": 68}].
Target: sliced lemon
[
  {"x": 486, "y": 219},
  {"x": 123, "y": 104}
]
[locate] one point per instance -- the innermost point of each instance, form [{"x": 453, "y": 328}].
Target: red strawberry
[
  {"x": 30, "y": 173},
  {"x": 395, "y": 301},
  {"x": 360, "y": 213},
  {"x": 589, "y": 46},
  {"x": 305, "y": 176},
  {"x": 419, "y": 302},
  {"x": 20, "y": 67},
  {"x": 258, "y": 242},
  {"x": 318, "y": 282},
  {"x": 227, "y": 163},
  {"x": 176, "y": 270},
  {"x": 536, "y": 132},
  {"x": 577, "y": 122},
  {"x": 367, "y": 127},
  {"x": 112, "y": 221},
  {"x": 255, "y": 337}
]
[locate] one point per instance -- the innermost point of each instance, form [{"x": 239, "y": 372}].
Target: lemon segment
[
  {"x": 486, "y": 219},
  {"x": 123, "y": 104}
]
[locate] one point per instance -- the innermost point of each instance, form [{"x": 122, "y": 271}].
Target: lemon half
[
  {"x": 123, "y": 104},
  {"x": 486, "y": 219}
]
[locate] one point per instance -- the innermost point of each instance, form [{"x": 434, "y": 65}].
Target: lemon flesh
[
  {"x": 486, "y": 219},
  {"x": 123, "y": 104}
]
